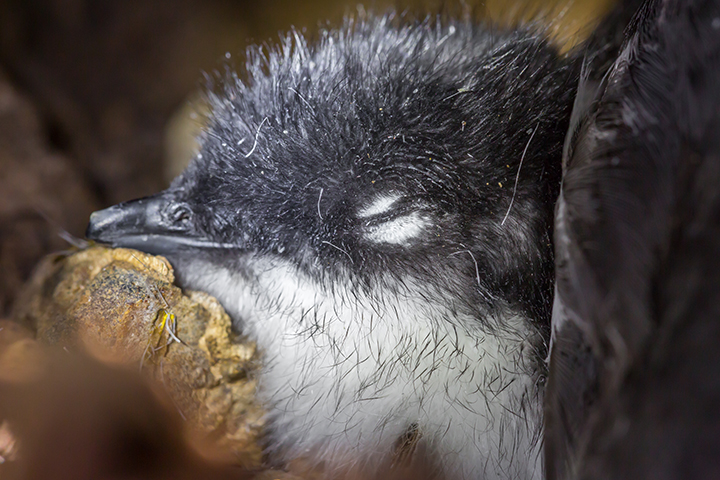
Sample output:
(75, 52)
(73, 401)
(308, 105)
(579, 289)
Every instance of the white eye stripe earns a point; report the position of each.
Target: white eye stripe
(380, 205)
(398, 230)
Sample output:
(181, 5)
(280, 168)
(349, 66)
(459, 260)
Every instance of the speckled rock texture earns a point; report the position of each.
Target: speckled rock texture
(121, 306)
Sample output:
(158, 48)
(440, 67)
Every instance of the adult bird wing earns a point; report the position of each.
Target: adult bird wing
(634, 385)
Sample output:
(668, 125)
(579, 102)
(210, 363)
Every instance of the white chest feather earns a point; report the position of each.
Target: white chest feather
(348, 372)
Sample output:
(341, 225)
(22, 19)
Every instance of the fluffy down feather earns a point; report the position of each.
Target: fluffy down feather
(375, 210)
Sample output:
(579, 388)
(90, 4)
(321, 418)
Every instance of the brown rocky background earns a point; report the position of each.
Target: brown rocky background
(97, 102)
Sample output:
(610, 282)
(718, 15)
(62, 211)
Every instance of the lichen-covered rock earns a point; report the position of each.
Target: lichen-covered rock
(121, 306)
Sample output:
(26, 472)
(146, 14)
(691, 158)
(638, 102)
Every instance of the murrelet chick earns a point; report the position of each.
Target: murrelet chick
(375, 210)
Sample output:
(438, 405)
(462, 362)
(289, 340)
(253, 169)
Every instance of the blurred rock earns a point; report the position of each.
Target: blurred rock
(80, 419)
(41, 194)
(121, 306)
(107, 75)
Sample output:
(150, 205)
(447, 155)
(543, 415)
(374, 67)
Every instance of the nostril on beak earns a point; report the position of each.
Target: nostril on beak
(179, 214)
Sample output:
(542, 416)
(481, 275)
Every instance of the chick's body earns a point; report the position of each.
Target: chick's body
(374, 211)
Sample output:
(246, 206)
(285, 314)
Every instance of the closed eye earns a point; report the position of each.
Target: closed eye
(398, 230)
(379, 206)
(390, 218)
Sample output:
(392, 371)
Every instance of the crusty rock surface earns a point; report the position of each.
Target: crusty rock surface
(121, 306)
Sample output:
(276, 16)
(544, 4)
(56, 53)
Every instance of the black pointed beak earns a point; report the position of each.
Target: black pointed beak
(158, 225)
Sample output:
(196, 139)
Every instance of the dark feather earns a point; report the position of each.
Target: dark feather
(639, 260)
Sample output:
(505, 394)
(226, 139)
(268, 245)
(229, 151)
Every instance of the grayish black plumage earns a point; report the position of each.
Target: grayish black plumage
(375, 211)
(634, 389)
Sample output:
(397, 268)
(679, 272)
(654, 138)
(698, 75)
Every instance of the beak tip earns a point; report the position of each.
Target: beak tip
(99, 223)
(92, 232)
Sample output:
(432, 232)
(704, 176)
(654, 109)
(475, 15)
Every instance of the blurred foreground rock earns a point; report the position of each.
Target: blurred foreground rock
(120, 306)
(71, 417)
